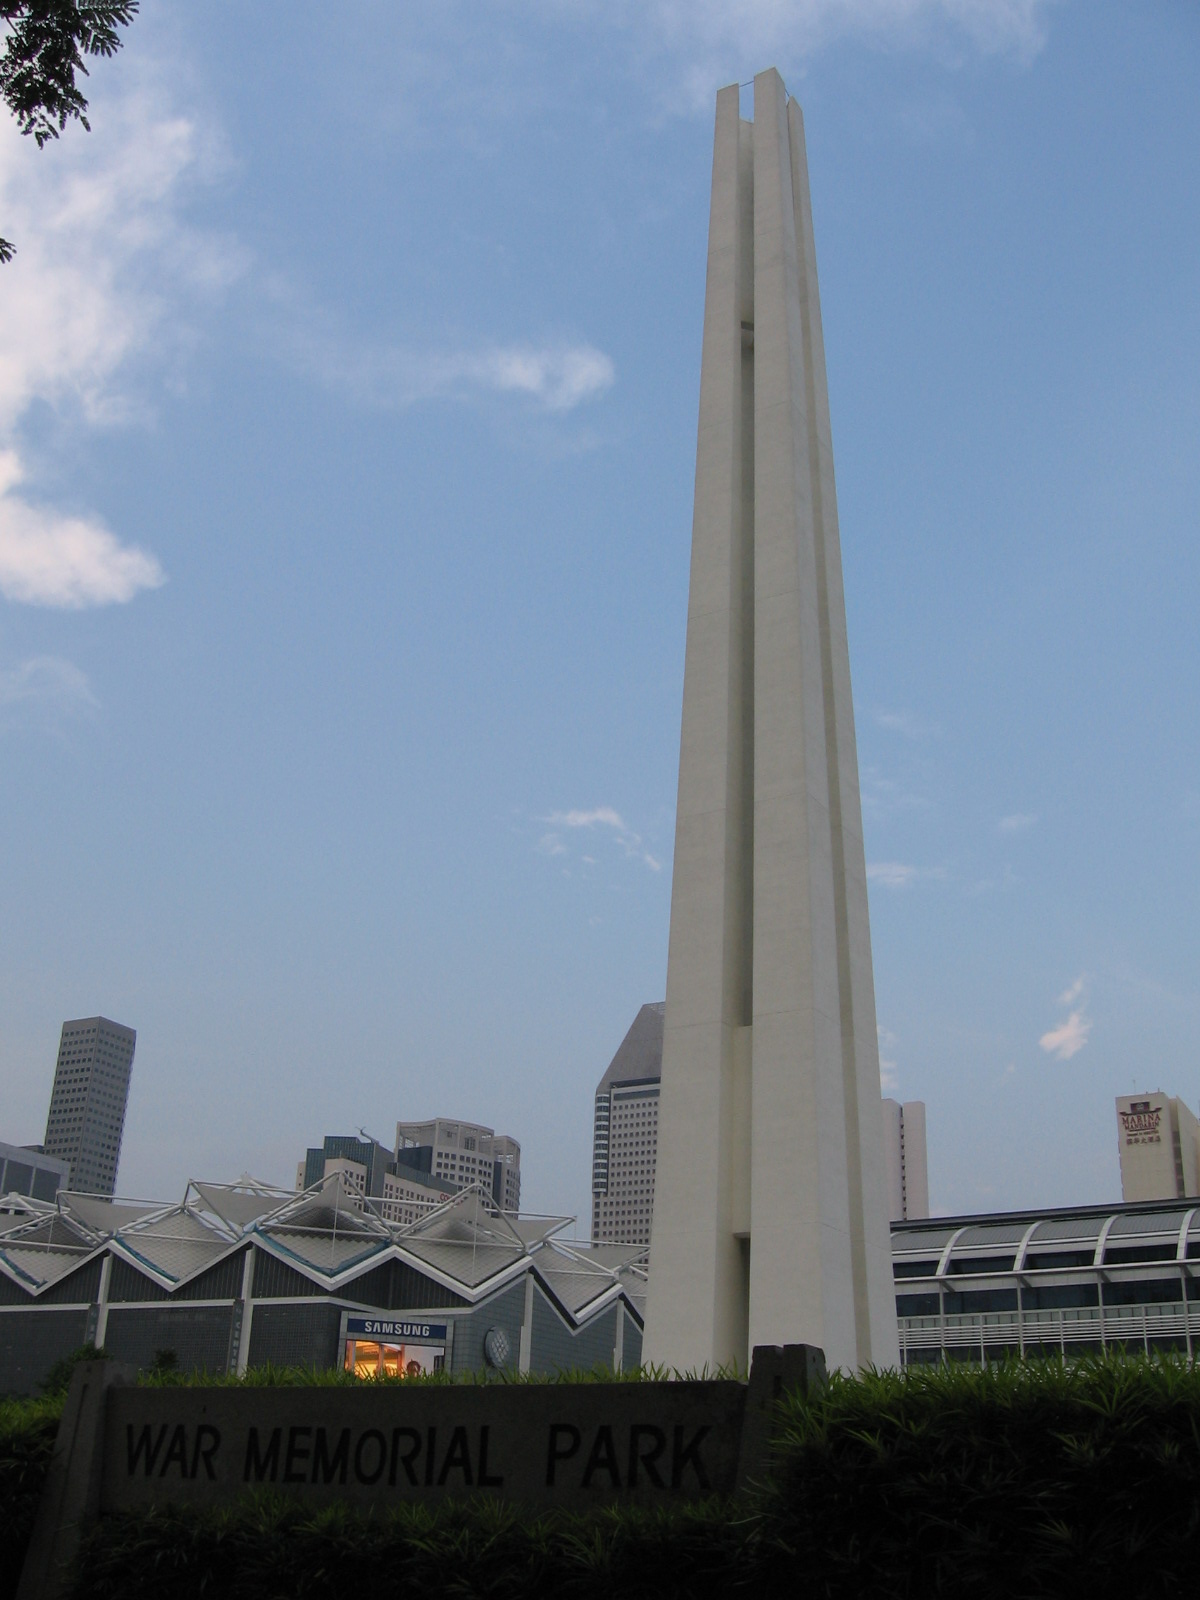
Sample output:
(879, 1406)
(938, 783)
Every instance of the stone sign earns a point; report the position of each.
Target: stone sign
(570, 1445)
(121, 1447)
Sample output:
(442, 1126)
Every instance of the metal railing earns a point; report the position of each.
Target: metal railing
(989, 1334)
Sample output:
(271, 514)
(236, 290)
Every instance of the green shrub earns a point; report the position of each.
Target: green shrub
(1035, 1479)
(58, 1380)
(1026, 1480)
(27, 1430)
(268, 1547)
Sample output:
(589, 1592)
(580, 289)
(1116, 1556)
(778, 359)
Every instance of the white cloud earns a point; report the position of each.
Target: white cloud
(1069, 995)
(555, 376)
(559, 377)
(598, 817)
(1069, 1038)
(889, 1077)
(1017, 822)
(885, 797)
(51, 559)
(905, 724)
(712, 42)
(103, 255)
(103, 268)
(892, 874)
(46, 679)
(603, 815)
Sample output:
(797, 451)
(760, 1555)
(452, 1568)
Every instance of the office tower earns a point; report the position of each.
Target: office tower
(463, 1153)
(450, 1155)
(371, 1177)
(87, 1104)
(366, 1157)
(625, 1140)
(1159, 1142)
(770, 1221)
(905, 1160)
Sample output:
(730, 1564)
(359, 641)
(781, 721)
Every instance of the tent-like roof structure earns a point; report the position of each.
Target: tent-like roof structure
(325, 1233)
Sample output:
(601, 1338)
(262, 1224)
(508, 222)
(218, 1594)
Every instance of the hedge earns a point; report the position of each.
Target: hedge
(1031, 1480)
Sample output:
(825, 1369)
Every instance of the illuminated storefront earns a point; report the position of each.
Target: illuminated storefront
(382, 1347)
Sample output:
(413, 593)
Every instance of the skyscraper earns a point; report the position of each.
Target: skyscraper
(625, 1137)
(770, 1221)
(905, 1159)
(87, 1103)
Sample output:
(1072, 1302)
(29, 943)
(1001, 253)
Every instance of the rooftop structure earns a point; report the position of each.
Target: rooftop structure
(246, 1273)
(1049, 1282)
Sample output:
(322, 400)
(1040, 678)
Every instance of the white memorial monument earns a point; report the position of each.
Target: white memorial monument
(770, 1222)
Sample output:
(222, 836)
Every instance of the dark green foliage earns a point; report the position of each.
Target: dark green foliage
(47, 41)
(27, 1430)
(58, 1380)
(1042, 1479)
(45, 47)
(269, 1548)
(1035, 1480)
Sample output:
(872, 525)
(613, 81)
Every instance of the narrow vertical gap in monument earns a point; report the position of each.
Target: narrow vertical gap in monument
(746, 914)
(743, 1328)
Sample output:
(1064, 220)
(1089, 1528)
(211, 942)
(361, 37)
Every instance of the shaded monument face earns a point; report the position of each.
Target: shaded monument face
(769, 1210)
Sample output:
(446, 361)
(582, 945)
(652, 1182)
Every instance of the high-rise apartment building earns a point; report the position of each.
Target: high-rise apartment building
(87, 1103)
(907, 1167)
(625, 1138)
(1159, 1141)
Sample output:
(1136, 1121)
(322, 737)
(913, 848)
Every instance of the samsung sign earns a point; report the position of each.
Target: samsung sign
(398, 1332)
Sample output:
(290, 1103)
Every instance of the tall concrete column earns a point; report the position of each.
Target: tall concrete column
(770, 1222)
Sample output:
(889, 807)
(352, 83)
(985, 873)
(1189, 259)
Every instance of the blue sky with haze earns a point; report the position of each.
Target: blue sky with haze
(348, 388)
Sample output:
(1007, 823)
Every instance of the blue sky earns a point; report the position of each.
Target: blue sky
(348, 386)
